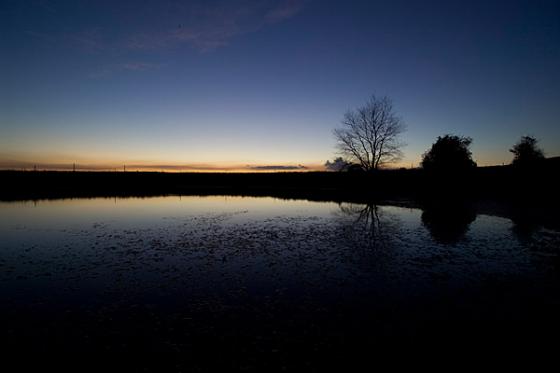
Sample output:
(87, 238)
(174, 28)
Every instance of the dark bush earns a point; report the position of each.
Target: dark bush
(449, 153)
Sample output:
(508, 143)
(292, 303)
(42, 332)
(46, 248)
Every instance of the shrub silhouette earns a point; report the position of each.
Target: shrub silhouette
(339, 165)
(449, 153)
(526, 152)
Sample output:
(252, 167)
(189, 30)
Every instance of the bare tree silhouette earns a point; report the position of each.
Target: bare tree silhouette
(370, 134)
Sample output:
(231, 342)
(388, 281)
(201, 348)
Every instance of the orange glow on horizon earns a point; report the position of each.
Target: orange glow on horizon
(147, 167)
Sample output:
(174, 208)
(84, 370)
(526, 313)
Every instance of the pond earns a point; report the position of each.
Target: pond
(166, 282)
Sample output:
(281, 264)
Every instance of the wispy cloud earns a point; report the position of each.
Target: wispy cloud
(136, 66)
(208, 28)
(284, 10)
(46, 5)
(197, 24)
(91, 40)
(277, 168)
(43, 36)
(139, 66)
(200, 25)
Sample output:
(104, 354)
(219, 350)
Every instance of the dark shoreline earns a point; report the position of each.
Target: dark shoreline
(521, 195)
(495, 183)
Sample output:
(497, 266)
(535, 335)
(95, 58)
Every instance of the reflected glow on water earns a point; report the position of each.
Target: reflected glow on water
(63, 232)
(262, 262)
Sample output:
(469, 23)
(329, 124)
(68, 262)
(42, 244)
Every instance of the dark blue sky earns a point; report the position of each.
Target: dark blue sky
(232, 83)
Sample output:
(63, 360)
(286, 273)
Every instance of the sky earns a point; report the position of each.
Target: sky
(260, 85)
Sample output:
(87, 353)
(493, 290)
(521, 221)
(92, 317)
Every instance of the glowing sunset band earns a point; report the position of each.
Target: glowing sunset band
(29, 166)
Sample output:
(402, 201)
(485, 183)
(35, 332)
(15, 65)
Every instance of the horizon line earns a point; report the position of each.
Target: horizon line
(156, 167)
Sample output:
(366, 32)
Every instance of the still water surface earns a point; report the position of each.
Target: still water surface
(176, 274)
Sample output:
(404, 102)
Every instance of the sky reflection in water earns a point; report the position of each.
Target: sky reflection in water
(245, 265)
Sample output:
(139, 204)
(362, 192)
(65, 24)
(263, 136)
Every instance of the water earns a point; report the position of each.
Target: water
(264, 279)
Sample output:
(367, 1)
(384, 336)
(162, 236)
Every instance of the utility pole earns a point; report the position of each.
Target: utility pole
(74, 167)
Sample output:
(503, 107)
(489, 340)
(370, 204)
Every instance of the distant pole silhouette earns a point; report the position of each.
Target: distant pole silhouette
(74, 167)
(124, 168)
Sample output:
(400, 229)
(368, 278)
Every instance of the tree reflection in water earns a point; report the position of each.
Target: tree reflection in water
(448, 221)
(525, 222)
(524, 229)
(367, 225)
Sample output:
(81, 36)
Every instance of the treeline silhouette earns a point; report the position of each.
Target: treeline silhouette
(482, 182)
